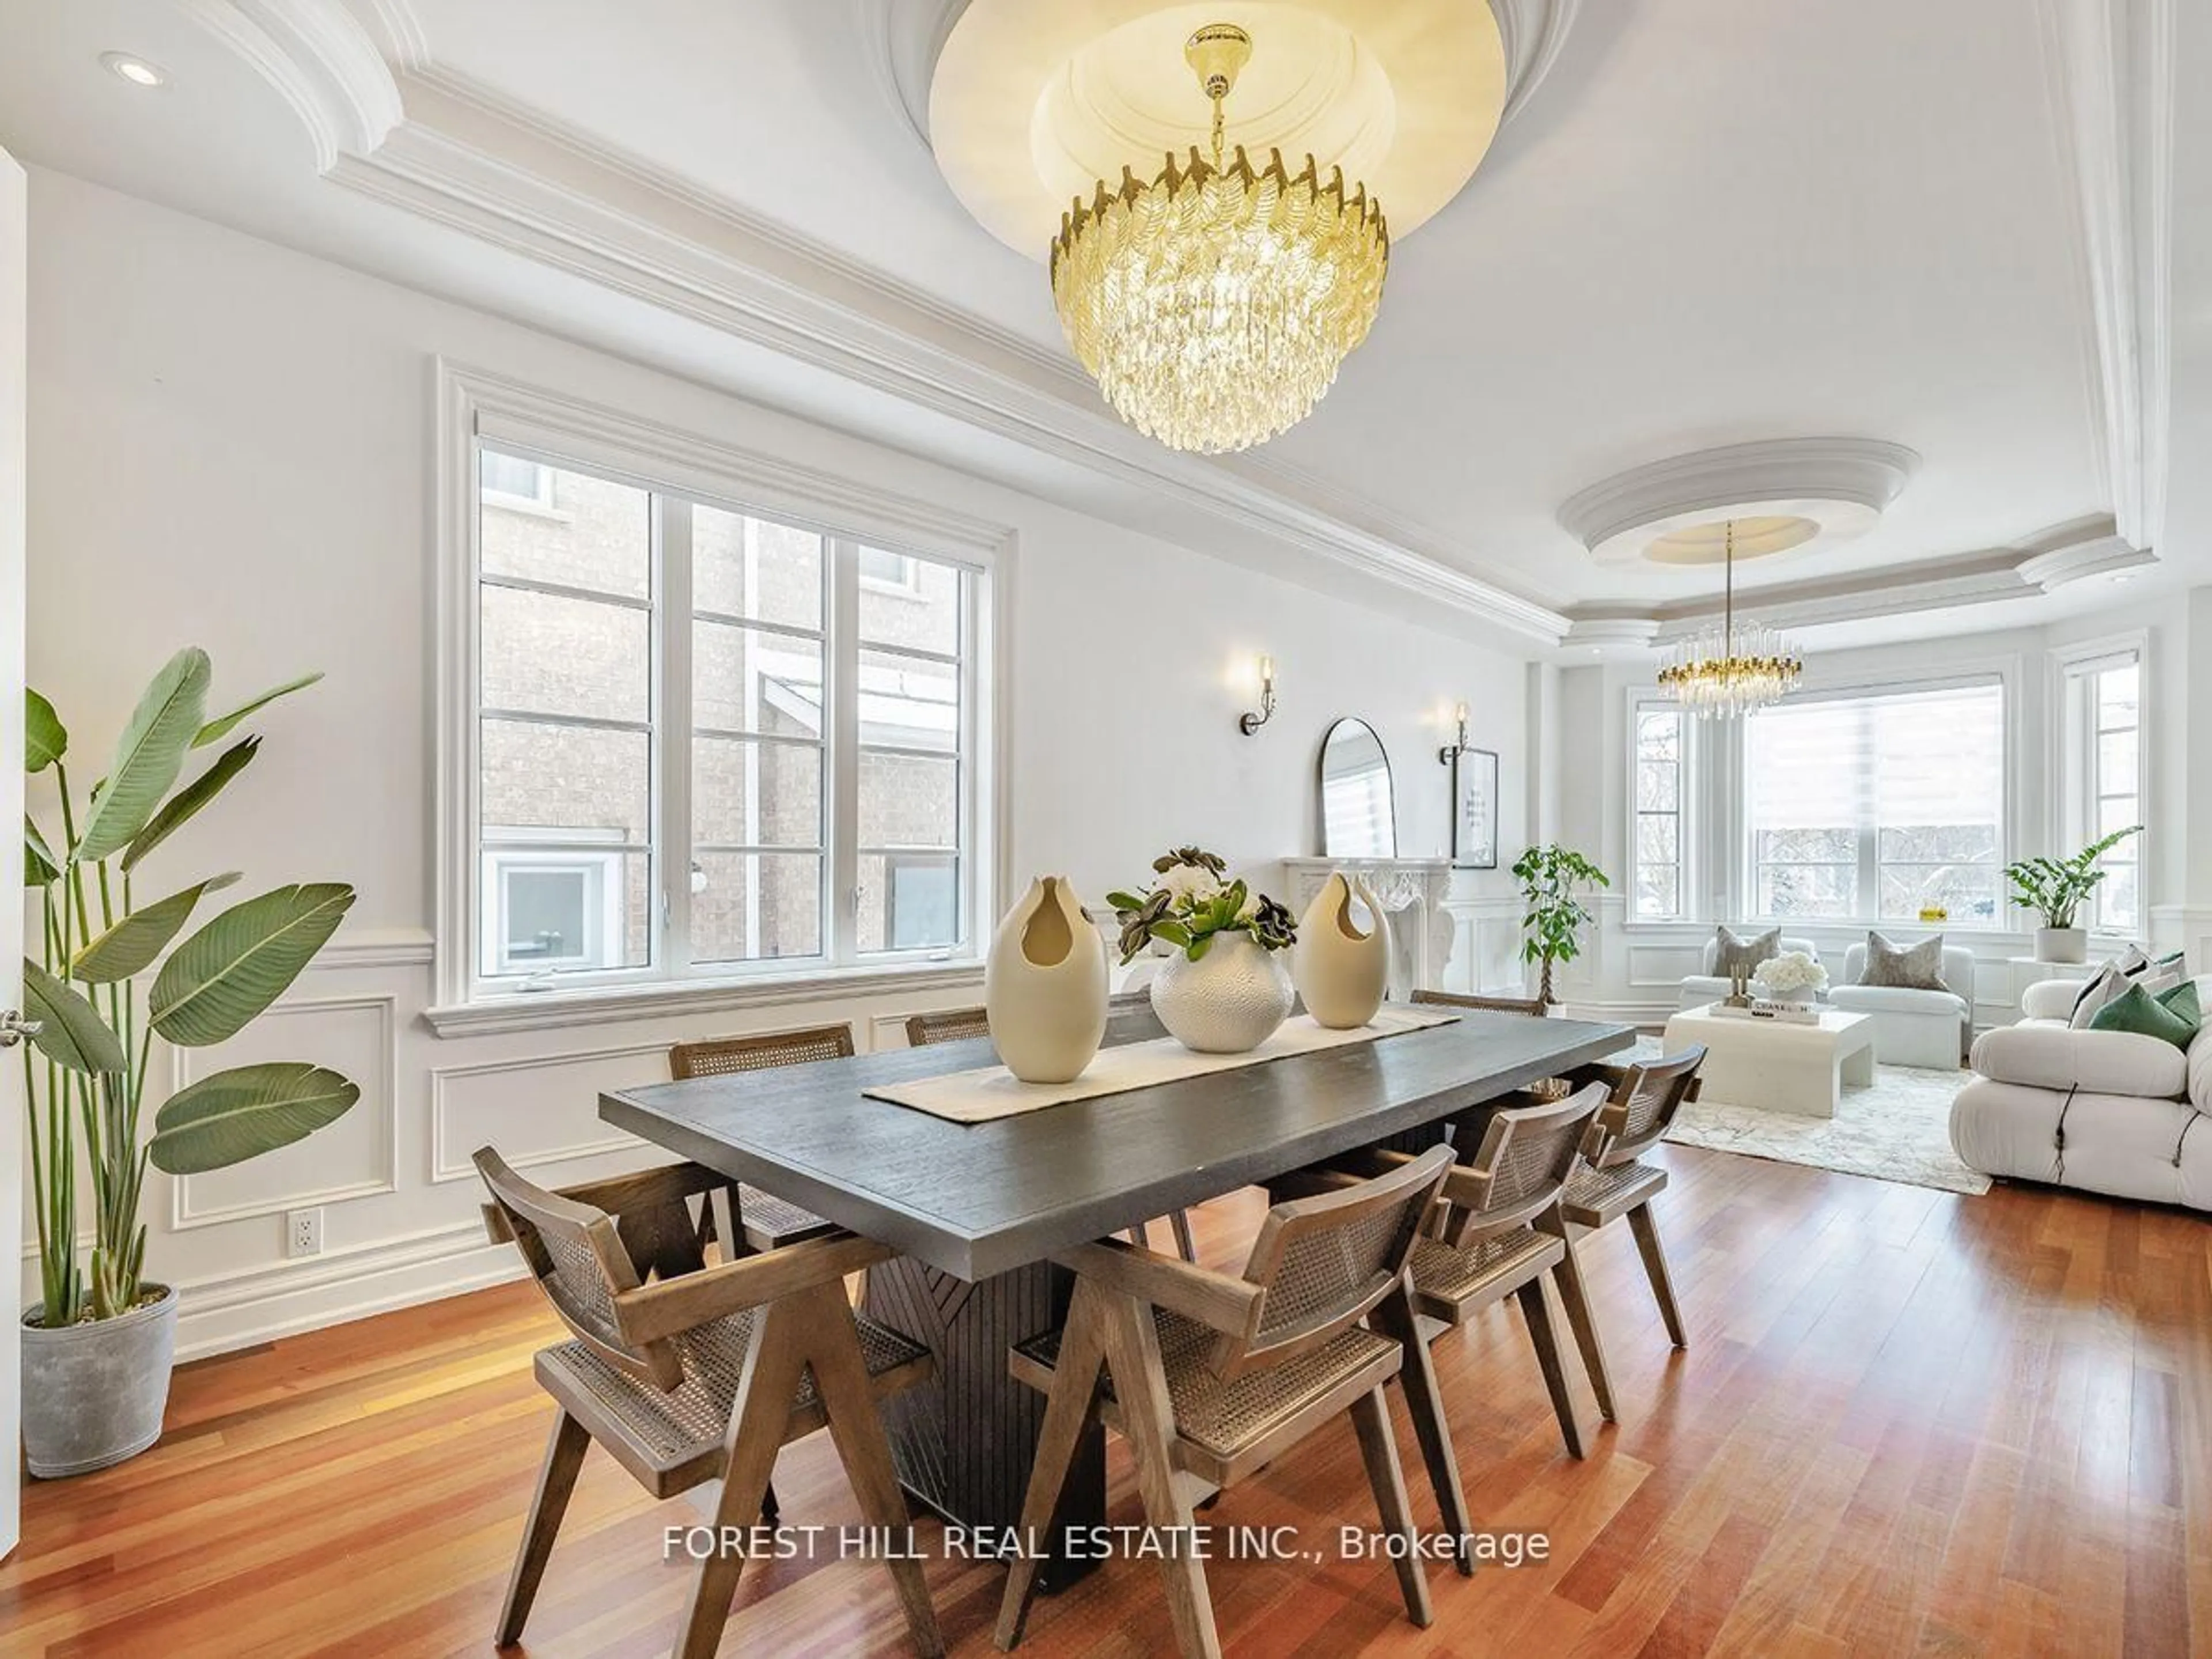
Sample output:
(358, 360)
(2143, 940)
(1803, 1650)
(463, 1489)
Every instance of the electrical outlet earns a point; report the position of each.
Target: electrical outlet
(303, 1231)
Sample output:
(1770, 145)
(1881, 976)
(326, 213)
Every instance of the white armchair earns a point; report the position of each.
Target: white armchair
(2106, 1111)
(1706, 986)
(1930, 1029)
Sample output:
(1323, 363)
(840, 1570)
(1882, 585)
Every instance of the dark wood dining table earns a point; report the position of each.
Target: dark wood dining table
(977, 1210)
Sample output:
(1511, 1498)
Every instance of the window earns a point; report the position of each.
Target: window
(1656, 812)
(1881, 806)
(2102, 727)
(667, 683)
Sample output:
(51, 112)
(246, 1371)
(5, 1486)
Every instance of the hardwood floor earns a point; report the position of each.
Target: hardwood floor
(1907, 1422)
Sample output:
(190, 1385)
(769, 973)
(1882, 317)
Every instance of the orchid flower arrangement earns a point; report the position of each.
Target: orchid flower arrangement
(1191, 900)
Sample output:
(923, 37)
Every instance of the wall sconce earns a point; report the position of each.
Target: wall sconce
(1452, 750)
(1251, 723)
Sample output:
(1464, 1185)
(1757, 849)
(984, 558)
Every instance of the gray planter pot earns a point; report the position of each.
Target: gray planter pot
(2068, 944)
(93, 1394)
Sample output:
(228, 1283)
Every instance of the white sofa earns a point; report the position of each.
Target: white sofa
(1914, 1028)
(2104, 1111)
(1706, 986)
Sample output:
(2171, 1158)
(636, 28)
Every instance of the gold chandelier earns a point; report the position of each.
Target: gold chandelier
(1731, 670)
(1214, 305)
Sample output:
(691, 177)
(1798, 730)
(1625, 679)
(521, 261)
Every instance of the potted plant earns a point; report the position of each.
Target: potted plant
(1223, 989)
(2055, 888)
(1551, 878)
(97, 1347)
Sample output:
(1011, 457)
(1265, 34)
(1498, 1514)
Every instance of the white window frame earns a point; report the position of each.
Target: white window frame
(1648, 700)
(684, 468)
(2005, 675)
(2077, 791)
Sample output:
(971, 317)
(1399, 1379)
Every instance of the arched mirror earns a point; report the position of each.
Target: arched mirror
(1356, 818)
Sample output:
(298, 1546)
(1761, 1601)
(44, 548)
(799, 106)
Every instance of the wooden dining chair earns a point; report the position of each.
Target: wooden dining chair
(1531, 1007)
(684, 1373)
(1210, 1376)
(768, 1221)
(1643, 1100)
(1500, 1232)
(957, 1025)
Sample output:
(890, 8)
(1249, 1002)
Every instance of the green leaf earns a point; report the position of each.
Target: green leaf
(189, 799)
(1121, 900)
(44, 742)
(40, 864)
(150, 755)
(215, 730)
(221, 979)
(133, 943)
(1198, 947)
(242, 1112)
(71, 1032)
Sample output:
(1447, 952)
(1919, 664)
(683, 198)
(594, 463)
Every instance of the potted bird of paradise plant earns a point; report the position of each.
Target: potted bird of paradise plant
(113, 975)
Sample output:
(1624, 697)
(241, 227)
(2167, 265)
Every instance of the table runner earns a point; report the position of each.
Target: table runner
(988, 1092)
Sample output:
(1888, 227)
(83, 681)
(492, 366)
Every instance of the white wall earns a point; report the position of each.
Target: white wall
(1635, 970)
(231, 445)
(12, 1157)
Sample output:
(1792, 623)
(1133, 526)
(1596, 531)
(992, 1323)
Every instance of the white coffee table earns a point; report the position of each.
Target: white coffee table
(1800, 1069)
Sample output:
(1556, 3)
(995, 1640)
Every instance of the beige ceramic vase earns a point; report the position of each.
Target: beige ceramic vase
(1340, 970)
(1045, 985)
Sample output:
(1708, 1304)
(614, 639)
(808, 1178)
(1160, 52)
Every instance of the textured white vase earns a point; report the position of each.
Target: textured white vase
(1045, 985)
(1229, 1001)
(1340, 970)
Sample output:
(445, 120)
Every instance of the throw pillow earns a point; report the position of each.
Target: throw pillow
(2182, 1000)
(1908, 967)
(2137, 1010)
(1734, 955)
(2100, 988)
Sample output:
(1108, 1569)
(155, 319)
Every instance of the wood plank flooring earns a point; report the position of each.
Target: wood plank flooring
(1907, 1422)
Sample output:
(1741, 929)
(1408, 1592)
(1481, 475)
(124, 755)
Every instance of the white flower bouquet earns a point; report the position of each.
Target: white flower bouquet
(1791, 976)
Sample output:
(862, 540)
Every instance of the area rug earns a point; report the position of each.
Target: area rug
(1898, 1129)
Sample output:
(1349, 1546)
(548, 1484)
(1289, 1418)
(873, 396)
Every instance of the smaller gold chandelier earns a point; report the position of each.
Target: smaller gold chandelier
(1728, 672)
(1214, 305)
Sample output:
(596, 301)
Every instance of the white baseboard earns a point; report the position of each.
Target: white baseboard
(236, 1310)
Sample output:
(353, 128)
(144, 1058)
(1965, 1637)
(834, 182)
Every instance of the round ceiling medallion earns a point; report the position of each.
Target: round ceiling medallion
(1030, 105)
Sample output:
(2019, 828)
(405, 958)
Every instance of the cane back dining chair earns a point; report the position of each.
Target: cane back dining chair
(1210, 1376)
(958, 1025)
(767, 1221)
(684, 1373)
(1502, 1233)
(1645, 1099)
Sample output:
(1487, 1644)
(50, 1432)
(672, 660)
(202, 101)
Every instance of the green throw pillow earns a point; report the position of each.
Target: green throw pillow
(2182, 999)
(2137, 1010)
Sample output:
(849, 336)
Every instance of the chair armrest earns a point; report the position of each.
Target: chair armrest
(2050, 999)
(648, 1189)
(1217, 1300)
(2100, 1062)
(667, 1306)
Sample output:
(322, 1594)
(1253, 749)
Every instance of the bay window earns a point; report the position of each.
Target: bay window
(1658, 794)
(2100, 727)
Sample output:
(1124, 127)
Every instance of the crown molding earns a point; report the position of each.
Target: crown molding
(319, 60)
(2110, 74)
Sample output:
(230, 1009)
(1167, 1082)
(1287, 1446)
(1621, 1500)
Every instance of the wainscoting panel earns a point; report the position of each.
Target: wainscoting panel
(535, 1108)
(356, 1157)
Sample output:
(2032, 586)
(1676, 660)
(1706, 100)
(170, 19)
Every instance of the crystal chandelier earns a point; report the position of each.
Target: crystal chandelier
(1214, 305)
(1728, 671)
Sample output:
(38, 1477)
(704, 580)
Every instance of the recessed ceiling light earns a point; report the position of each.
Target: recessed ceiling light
(136, 71)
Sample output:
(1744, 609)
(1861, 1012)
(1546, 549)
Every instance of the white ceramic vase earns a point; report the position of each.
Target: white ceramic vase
(1045, 985)
(1340, 970)
(1229, 1001)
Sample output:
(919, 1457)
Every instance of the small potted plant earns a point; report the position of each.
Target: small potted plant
(2055, 889)
(1793, 977)
(112, 977)
(1552, 879)
(1223, 987)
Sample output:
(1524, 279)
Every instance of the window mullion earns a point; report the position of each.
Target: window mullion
(672, 729)
(842, 774)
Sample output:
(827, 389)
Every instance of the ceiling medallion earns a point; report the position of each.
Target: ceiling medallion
(1214, 305)
(1727, 671)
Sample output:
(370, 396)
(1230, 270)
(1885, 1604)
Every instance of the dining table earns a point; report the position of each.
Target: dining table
(977, 1210)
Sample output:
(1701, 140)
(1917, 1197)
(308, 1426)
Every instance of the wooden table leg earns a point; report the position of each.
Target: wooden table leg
(964, 1440)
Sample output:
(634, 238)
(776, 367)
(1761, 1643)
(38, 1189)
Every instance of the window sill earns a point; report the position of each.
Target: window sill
(603, 1005)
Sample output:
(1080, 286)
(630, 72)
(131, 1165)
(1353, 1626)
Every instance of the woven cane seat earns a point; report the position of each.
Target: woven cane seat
(1595, 1197)
(1447, 1280)
(682, 1430)
(1225, 1417)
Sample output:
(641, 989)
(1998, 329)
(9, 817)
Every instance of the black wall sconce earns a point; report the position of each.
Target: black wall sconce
(1452, 750)
(1251, 723)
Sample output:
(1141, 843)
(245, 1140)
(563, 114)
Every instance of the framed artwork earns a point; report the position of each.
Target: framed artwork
(1475, 809)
